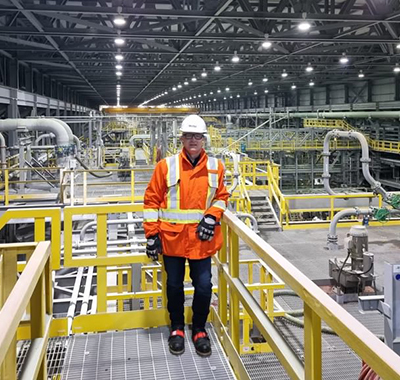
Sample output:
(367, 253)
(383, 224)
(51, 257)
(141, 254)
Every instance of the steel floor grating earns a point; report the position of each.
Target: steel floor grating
(141, 354)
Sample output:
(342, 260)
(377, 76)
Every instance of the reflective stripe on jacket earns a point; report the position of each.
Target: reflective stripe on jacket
(176, 199)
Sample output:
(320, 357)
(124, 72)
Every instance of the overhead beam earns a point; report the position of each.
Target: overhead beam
(148, 12)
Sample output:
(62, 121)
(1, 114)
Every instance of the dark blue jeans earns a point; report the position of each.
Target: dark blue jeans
(200, 273)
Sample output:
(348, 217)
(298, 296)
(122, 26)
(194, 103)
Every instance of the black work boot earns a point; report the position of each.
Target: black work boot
(176, 342)
(201, 342)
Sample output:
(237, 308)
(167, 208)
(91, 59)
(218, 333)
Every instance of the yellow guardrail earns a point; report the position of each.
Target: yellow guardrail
(294, 145)
(378, 145)
(288, 213)
(318, 307)
(32, 291)
(75, 187)
(19, 177)
(258, 305)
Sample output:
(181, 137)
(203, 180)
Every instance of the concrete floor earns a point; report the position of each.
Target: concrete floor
(306, 249)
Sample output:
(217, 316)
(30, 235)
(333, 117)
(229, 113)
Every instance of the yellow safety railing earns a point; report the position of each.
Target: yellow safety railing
(241, 301)
(39, 217)
(291, 213)
(76, 187)
(294, 145)
(32, 291)
(15, 181)
(152, 281)
(318, 307)
(378, 145)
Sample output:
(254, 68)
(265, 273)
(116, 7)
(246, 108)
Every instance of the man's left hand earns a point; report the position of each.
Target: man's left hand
(205, 229)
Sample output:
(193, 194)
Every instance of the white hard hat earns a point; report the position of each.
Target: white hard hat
(193, 124)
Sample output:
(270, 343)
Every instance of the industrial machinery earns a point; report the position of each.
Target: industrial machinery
(356, 271)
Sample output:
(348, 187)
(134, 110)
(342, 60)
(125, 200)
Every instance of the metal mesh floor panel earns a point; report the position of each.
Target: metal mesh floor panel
(141, 354)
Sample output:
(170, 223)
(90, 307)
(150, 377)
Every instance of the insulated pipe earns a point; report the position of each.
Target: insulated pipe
(63, 134)
(86, 294)
(74, 299)
(251, 217)
(332, 236)
(77, 143)
(109, 222)
(44, 136)
(138, 137)
(236, 172)
(321, 114)
(3, 148)
(365, 160)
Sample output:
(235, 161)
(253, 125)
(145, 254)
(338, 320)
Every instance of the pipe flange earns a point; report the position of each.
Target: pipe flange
(324, 175)
(365, 160)
(332, 238)
(325, 154)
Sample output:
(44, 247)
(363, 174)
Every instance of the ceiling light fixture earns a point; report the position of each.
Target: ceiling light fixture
(179, 85)
(238, 96)
(194, 79)
(266, 44)
(119, 21)
(217, 67)
(250, 82)
(204, 73)
(265, 91)
(311, 83)
(186, 83)
(284, 73)
(309, 68)
(343, 60)
(397, 68)
(174, 88)
(218, 91)
(119, 41)
(227, 89)
(304, 26)
(265, 79)
(235, 58)
(118, 73)
(361, 74)
(119, 57)
(293, 86)
(118, 67)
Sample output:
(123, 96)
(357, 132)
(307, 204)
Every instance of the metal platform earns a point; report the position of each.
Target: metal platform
(141, 354)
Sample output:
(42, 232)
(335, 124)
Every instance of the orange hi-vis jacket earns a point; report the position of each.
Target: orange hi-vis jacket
(176, 199)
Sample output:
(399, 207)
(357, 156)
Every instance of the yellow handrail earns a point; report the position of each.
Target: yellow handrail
(318, 307)
(34, 289)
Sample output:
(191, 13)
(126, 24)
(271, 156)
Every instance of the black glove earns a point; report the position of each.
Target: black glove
(205, 229)
(153, 247)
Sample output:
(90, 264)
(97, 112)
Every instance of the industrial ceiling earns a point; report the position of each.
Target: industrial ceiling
(168, 44)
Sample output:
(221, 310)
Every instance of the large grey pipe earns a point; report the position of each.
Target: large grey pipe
(44, 136)
(62, 132)
(319, 114)
(365, 160)
(3, 148)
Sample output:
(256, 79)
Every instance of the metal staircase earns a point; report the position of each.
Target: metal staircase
(262, 210)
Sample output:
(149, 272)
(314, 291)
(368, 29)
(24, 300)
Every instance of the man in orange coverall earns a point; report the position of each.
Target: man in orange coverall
(183, 204)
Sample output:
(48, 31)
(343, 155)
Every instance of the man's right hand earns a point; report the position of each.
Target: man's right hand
(153, 247)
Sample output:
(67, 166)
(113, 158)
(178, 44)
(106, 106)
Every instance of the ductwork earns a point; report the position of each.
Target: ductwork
(365, 160)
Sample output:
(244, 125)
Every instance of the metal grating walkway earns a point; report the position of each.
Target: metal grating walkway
(143, 355)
